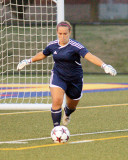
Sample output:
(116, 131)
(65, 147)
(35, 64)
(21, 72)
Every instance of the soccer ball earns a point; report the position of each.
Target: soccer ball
(60, 134)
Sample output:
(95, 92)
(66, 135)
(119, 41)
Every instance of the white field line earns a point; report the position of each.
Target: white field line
(12, 142)
(73, 135)
(84, 141)
(25, 140)
(100, 132)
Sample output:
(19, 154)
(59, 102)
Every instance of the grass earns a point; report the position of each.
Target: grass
(106, 146)
(91, 99)
(110, 44)
(37, 125)
(107, 42)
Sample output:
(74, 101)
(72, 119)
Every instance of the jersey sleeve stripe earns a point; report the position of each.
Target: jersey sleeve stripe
(52, 42)
(78, 45)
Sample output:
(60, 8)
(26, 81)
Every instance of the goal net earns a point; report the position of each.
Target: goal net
(26, 29)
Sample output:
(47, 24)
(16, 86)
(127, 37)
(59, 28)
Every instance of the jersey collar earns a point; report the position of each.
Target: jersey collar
(64, 45)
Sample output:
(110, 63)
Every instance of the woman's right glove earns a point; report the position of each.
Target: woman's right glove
(23, 63)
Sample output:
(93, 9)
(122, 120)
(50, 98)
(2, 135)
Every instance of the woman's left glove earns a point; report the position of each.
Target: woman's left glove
(109, 69)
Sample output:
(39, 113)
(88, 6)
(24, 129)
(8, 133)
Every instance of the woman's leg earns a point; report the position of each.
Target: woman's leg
(57, 94)
(69, 109)
(71, 103)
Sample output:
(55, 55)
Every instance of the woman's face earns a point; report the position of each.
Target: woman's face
(63, 34)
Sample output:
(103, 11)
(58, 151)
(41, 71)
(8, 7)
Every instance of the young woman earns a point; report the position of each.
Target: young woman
(67, 73)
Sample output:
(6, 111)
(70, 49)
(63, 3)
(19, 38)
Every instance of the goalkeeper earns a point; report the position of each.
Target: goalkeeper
(67, 73)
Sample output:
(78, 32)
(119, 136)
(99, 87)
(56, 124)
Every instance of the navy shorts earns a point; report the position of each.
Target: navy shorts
(73, 89)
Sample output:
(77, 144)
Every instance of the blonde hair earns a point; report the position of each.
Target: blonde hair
(64, 24)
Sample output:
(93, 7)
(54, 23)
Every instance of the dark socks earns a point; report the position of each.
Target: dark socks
(56, 116)
(68, 111)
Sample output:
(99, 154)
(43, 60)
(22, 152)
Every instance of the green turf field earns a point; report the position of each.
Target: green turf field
(98, 128)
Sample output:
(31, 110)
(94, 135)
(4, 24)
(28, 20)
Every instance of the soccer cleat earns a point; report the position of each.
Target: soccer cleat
(66, 119)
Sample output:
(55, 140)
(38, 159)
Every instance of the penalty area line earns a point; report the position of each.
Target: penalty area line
(99, 139)
(56, 144)
(73, 135)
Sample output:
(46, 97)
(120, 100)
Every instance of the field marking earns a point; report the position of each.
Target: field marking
(99, 139)
(31, 90)
(109, 105)
(13, 142)
(27, 112)
(54, 144)
(100, 132)
(25, 140)
(88, 107)
(83, 141)
(73, 135)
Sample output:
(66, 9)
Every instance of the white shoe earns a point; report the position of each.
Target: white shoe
(66, 119)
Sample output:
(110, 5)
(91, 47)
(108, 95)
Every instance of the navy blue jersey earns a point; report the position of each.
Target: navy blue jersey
(67, 59)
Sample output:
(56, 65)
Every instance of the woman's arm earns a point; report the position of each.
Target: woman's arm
(97, 61)
(93, 59)
(39, 56)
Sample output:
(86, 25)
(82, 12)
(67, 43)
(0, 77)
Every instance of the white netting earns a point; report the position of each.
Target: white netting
(26, 28)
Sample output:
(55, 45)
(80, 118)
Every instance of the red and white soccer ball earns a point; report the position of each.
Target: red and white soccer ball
(60, 134)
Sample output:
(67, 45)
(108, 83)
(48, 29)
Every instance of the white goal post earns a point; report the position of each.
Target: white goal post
(26, 28)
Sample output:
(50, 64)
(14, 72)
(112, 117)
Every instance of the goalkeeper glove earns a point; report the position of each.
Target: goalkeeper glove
(23, 63)
(109, 69)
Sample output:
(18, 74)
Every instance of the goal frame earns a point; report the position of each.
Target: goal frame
(37, 106)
